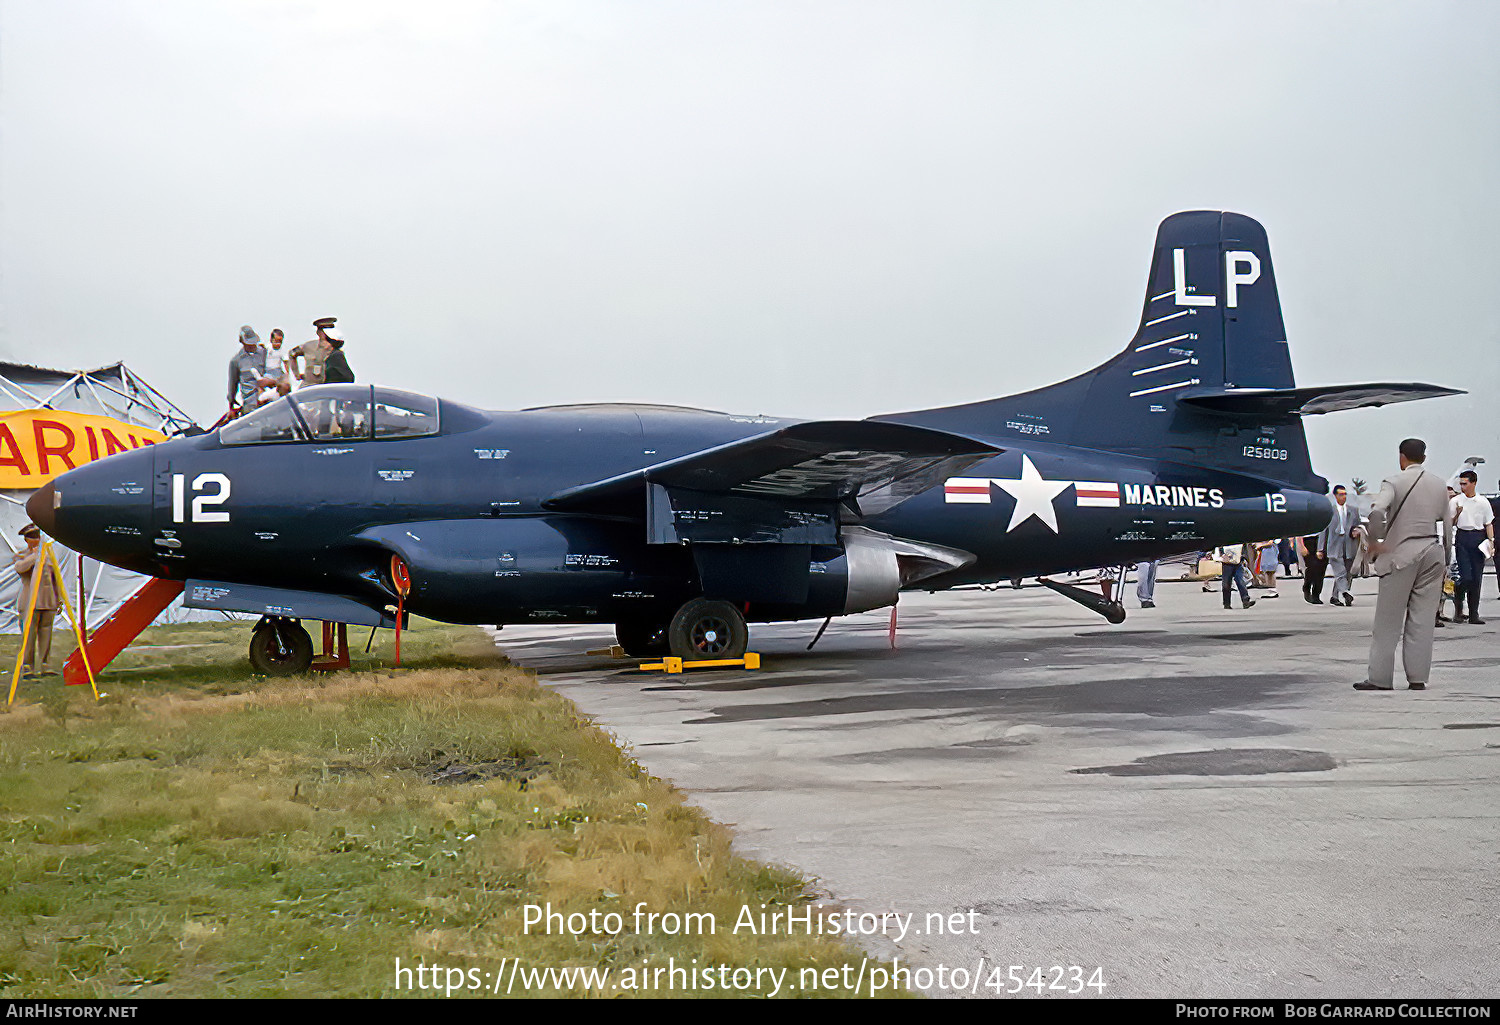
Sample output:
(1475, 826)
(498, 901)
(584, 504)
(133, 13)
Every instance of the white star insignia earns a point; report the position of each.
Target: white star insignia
(1033, 496)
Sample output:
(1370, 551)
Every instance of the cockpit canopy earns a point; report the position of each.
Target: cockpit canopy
(336, 412)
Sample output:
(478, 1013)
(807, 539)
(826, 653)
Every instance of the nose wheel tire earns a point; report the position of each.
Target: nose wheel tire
(642, 639)
(705, 629)
(280, 649)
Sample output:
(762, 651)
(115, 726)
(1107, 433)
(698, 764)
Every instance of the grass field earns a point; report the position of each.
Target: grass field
(200, 832)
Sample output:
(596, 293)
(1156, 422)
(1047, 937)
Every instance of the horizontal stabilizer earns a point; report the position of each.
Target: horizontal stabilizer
(874, 466)
(1277, 402)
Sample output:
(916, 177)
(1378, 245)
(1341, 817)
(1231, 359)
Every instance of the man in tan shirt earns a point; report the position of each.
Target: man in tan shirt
(1411, 564)
(39, 644)
(314, 354)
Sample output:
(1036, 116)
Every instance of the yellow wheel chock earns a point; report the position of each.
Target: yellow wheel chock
(671, 664)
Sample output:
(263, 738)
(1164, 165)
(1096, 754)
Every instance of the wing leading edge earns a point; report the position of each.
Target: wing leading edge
(864, 464)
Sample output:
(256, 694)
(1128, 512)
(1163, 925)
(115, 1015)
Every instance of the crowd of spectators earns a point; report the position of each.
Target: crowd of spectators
(1344, 546)
(260, 373)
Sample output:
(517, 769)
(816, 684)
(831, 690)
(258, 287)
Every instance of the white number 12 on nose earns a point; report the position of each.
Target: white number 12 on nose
(200, 514)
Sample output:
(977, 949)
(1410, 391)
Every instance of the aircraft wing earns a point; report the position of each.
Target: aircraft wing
(869, 465)
(1308, 401)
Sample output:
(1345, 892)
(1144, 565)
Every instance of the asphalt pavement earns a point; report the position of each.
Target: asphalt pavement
(1195, 802)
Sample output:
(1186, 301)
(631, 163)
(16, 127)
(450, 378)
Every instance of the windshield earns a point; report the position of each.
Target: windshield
(272, 423)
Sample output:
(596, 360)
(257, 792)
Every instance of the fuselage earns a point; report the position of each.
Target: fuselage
(465, 503)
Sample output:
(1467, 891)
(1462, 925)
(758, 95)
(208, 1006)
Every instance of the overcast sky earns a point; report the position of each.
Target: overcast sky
(810, 208)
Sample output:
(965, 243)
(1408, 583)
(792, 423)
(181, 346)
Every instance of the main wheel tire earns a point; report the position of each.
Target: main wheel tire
(292, 656)
(704, 629)
(642, 639)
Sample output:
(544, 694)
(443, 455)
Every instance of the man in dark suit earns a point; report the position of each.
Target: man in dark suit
(1339, 544)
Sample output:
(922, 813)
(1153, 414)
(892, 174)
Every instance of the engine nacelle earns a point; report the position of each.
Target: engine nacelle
(525, 569)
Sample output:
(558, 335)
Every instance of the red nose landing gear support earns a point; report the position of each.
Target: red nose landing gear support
(331, 658)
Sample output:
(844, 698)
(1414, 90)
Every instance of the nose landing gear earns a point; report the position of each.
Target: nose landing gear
(280, 647)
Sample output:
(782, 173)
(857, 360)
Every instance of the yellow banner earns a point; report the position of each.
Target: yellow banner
(38, 444)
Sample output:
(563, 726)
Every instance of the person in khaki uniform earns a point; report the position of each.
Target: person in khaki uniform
(314, 354)
(1410, 563)
(39, 644)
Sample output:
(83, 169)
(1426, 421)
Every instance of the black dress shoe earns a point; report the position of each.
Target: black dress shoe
(1249, 603)
(1348, 599)
(1148, 604)
(1316, 600)
(1416, 686)
(1367, 685)
(1474, 621)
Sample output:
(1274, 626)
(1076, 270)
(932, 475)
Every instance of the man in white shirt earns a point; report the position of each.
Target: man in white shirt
(1339, 543)
(1232, 557)
(1475, 520)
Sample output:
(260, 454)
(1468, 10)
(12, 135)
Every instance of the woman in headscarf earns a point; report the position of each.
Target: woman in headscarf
(336, 366)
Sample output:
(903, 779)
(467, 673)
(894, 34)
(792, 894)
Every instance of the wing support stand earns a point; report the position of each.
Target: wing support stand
(1110, 610)
(47, 565)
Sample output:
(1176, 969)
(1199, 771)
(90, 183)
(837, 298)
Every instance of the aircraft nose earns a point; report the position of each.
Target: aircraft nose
(41, 508)
(102, 509)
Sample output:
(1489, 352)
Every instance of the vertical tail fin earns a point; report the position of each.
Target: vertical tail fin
(1211, 321)
(1211, 293)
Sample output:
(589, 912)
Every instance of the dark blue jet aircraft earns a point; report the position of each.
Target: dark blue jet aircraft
(679, 526)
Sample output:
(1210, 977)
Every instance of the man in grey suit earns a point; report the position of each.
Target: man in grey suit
(1411, 565)
(1339, 544)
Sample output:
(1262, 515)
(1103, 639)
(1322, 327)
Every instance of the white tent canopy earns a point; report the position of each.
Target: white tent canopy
(113, 391)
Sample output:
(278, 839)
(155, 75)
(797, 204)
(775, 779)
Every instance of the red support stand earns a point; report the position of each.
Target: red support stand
(400, 603)
(401, 579)
(893, 628)
(333, 658)
(123, 626)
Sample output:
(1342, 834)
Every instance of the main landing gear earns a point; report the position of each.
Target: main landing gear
(280, 647)
(701, 629)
